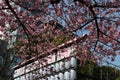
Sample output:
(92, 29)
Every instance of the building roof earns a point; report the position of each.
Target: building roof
(49, 51)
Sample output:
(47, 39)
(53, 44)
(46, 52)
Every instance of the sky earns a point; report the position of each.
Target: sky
(115, 63)
(117, 60)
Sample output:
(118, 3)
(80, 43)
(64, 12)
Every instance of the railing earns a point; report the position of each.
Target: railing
(62, 69)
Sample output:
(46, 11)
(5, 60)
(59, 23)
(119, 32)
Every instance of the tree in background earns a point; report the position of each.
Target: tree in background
(93, 71)
(36, 21)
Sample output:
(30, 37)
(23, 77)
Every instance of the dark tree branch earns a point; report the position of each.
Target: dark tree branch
(14, 13)
(21, 5)
(54, 1)
(83, 25)
(95, 18)
(109, 36)
(95, 1)
(2, 8)
(108, 19)
(96, 42)
(105, 43)
(80, 27)
(105, 6)
(98, 29)
(25, 7)
(94, 15)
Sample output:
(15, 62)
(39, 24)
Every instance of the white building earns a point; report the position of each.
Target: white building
(56, 64)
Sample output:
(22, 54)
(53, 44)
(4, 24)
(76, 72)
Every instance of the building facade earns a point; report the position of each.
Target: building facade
(58, 65)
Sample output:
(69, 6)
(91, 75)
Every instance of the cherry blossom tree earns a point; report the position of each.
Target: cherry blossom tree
(37, 23)
(41, 23)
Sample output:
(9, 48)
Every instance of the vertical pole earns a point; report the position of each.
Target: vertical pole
(107, 70)
(101, 73)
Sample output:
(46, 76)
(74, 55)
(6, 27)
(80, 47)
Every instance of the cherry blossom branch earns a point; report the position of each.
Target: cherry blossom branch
(83, 25)
(104, 43)
(70, 42)
(109, 19)
(96, 42)
(94, 15)
(2, 8)
(109, 36)
(94, 1)
(95, 18)
(14, 13)
(21, 5)
(97, 27)
(31, 10)
(105, 6)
